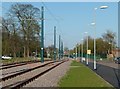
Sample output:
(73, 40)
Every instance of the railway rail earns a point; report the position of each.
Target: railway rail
(22, 72)
(18, 62)
(6, 66)
(20, 79)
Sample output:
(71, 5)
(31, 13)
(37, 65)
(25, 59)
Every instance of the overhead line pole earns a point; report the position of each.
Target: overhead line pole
(59, 47)
(61, 54)
(42, 34)
(62, 50)
(54, 43)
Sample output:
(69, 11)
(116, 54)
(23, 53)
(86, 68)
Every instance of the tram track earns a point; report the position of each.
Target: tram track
(6, 66)
(27, 75)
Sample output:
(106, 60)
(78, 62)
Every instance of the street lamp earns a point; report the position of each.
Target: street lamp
(103, 7)
(82, 50)
(79, 50)
(94, 23)
(76, 52)
(87, 47)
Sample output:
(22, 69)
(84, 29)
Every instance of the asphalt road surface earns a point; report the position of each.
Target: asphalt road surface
(109, 71)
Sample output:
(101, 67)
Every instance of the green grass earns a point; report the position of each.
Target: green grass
(81, 76)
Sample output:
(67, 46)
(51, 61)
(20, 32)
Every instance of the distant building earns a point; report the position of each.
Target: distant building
(116, 52)
(113, 54)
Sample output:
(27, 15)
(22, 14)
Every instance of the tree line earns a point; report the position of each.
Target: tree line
(104, 45)
(21, 34)
(21, 31)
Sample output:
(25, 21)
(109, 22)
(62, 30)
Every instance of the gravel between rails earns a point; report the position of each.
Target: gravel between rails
(51, 78)
(18, 79)
(6, 72)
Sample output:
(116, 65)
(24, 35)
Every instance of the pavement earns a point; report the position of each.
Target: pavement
(109, 71)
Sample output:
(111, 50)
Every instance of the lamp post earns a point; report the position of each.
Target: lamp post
(82, 50)
(76, 52)
(86, 48)
(79, 50)
(94, 23)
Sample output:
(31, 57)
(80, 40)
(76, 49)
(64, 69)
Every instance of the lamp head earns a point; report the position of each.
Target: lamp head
(103, 7)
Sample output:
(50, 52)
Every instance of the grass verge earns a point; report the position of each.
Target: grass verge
(81, 76)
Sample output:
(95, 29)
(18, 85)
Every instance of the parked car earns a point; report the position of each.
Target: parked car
(83, 59)
(6, 57)
(117, 60)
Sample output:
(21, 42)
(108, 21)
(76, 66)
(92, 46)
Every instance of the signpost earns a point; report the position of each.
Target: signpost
(89, 52)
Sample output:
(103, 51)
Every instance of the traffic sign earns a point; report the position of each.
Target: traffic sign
(88, 51)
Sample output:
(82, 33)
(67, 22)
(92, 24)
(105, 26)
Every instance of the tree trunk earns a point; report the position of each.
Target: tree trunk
(14, 53)
(24, 52)
(27, 46)
(27, 51)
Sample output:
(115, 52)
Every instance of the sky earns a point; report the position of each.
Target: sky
(73, 19)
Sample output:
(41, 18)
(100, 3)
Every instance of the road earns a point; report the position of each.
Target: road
(109, 71)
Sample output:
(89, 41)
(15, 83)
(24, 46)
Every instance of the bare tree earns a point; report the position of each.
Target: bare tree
(26, 15)
(109, 36)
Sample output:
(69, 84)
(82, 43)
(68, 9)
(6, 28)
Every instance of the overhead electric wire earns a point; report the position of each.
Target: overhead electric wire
(59, 31)
(53, 16)
(50, 12)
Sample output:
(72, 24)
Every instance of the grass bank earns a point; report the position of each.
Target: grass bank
(81, 76)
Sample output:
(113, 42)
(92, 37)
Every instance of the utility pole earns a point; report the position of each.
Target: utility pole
(62, 49)
(82, 50)
(54, 43)
(59, 47)
(62, 52)
(42, 34)
(79, 50)
(76, 52)
(95, 64)
(87, 50)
